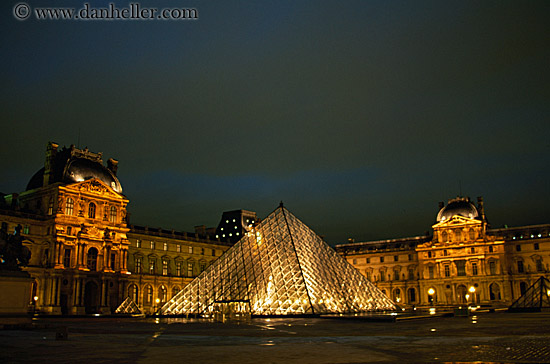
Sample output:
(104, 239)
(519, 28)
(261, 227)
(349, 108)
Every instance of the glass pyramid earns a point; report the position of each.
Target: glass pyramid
(535, 297)
(280, 267)
(128, 307)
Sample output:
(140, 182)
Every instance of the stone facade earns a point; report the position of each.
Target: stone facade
(462, 262)
(83, 252)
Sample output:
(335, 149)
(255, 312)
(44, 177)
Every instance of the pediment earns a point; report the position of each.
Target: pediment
(456, 220)
(94, 186)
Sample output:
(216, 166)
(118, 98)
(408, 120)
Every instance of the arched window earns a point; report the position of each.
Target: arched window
(494, 292)
(522, 287)
(162, 294)
(412, 295)
(133, 293)
(69, 206)
(397, 295)
(148, 295)
(91, 210)
(444, 236)
(112, 215)
(92, 259)
(175, 290)
(458, 235)
(461, 294)
(472, 234)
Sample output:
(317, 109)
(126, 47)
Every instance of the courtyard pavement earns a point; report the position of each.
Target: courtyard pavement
(485, 337)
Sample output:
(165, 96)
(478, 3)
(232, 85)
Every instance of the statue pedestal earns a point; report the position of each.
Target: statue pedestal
(15, 297)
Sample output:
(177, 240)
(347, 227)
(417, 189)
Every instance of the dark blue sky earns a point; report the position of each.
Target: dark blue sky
(360, 115)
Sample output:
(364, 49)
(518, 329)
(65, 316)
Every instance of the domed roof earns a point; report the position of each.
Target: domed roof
(73, 165)
(458, 206)
(80, 169)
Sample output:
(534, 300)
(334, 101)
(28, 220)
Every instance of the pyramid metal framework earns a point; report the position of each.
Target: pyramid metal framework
(280, 267)
(128, 307)
(535, 298)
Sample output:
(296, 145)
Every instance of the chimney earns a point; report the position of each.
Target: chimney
(51, 152)
(112, 164)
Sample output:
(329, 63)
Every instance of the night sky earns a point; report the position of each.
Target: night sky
(360, 115)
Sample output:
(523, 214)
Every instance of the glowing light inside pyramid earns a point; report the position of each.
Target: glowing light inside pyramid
(280, 267)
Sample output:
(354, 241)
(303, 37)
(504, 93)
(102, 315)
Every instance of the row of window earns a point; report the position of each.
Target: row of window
(382, 258)
(69, 210)
(457, 235)
(536, 246)
(91, 259)
(148, 294)
(179, 267)
(165, 247)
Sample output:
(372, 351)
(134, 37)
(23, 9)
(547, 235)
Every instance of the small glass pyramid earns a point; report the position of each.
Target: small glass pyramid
(535, 298)
(280, 267)
(128, 307)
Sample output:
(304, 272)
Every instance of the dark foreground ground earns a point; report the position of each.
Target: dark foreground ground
(490, 337)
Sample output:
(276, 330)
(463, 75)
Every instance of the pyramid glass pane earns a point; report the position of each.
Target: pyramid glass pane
(281, 267)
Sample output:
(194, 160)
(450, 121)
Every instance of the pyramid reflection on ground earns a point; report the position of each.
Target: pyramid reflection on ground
(280, 267)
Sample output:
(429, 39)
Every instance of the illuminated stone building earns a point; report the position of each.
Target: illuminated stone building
(85, 258)
(462, 262)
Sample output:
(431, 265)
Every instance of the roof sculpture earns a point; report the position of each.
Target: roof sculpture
(280, 267)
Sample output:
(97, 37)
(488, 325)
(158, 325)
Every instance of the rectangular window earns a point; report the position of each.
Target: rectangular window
(474, 269)
(152, 266)
(67, 258)
(539, 265)
(447, 271)
(490, 248)
(368, 276)
(368, 260)
(178, 248)
(113, 261)
(445, 252)
(138, 265)
(152, 245)
(26, 229)
(518, 248)
(460, 267)
(381, 259)
(492, 268)
(165, 246)
(190, 269)
(138, 243)
(164, 267)
(429, 254)
(202, 266)
(395, 258)
(354, 261)
(431, 272)
(411, 274)
(382, 276)
(190, 250)
(178, 269)
(410, 257)
(213, 252)
(520, 266)
(472, 250)
(69, 230)
(536, 246)
(396, 275)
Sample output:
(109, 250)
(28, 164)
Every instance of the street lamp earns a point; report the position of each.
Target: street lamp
(157, 301)
(431, 292)
(472, 290)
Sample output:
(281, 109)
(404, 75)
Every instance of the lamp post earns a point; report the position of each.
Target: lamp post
(157, 301)
(431, 292)
(472, 290)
